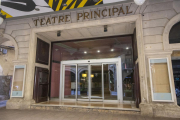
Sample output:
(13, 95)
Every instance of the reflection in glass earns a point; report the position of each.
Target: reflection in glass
(128, 85)
(96, 81)
(70, 82)
(82, 82)
(18, 79)
(160, 79)
(176, 73)
(110, 81)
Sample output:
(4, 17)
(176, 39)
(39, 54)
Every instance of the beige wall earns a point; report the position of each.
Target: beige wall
(6, 60)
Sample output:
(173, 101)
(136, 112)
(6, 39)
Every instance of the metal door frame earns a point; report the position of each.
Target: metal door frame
(116, 61)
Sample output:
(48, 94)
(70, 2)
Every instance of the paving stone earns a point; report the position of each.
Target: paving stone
(6, 114)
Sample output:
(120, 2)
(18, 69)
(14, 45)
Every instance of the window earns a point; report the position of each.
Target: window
(160, 80)
(174, 36)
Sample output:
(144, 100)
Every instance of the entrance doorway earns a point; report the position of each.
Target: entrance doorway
(91, 80)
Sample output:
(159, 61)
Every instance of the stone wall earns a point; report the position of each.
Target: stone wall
(155, 16)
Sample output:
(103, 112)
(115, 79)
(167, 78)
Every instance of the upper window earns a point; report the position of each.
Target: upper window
(174, 35)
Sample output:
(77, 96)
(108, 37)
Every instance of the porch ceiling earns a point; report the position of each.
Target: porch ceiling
(90, 32)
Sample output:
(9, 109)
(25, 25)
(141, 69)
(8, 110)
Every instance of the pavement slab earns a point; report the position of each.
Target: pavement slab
(6, 114)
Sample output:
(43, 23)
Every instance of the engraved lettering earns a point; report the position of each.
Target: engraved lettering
(54, 19)
(127, 10)
(41, 22)
(103, 12)
(98, 14)
(35, 22)
(86, 15)
(115, 10)
(48, 21)
(61, 19)
(66, 18)
(121, 11)
(79, 15)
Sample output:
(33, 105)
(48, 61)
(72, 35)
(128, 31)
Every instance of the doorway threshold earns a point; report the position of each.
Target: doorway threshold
(92, 106)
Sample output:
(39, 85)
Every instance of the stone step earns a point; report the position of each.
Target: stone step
(83, 109)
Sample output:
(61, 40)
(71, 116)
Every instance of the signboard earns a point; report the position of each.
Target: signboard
(58, 19)
(16, 8)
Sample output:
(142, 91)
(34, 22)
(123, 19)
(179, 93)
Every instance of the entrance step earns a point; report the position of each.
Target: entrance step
(92, 109)
(82, 109)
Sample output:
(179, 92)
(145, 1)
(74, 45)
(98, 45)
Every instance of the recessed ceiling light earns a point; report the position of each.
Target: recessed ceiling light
(127, 48)
(98, 51)
(85, 52)
(112, 50)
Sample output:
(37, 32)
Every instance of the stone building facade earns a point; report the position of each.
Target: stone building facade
(153, 21)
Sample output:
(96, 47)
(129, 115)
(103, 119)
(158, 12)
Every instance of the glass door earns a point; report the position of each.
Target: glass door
(96, 83)
(83, 82)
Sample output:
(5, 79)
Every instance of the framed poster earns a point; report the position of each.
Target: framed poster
(42, 52)
(18, 81)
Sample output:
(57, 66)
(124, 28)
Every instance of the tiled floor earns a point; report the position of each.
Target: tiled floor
(100, 105)
(61, 115)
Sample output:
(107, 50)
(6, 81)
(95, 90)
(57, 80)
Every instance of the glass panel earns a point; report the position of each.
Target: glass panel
(160, 79)
(18, 81)
(70, 82)
(93, 49)
(128, 84)
(83, 82)
(176, 73)
(110, 81)
(99, 48)
(96, 81)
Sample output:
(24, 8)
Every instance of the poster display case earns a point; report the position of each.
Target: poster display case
(18, 81)
(160, 80)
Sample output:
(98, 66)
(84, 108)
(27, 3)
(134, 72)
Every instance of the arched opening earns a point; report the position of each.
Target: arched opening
(7, 55)
(174, 36)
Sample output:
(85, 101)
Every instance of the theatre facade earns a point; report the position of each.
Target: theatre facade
(116, 57)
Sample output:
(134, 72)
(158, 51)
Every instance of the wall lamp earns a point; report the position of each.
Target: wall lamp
(105, 28)
(58, 33)
(139, 2)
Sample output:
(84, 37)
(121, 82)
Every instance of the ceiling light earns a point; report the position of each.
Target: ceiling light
(84, 75)
(127, 48)
(112, 50)
(139, 2)
(98, 51)
(85, 52)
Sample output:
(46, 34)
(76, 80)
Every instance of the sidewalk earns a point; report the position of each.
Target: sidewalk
(55, 115)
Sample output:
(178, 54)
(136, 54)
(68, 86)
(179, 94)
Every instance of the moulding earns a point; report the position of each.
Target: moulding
(15, 44)
(20, 61)
(166, 52)
(166, 32)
